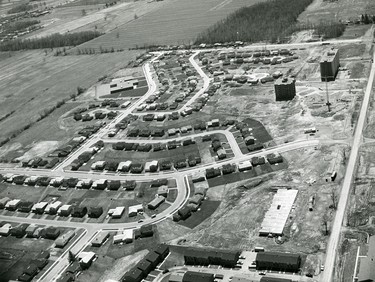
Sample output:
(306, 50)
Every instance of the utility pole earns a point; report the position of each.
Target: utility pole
(327, 95)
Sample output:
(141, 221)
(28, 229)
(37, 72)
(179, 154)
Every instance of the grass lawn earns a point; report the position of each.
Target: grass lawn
(206, 209)
(21, 192)
(172, 195)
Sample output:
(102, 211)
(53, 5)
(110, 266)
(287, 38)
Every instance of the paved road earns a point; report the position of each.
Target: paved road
(229, 135)
(333, 244)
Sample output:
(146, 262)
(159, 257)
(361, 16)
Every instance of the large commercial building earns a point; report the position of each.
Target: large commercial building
(329, 65)
(285, 89)
(278, 261)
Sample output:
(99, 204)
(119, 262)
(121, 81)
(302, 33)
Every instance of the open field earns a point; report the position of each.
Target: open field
(177, 22)
(46, 135)
(30, 82)
(338, 10)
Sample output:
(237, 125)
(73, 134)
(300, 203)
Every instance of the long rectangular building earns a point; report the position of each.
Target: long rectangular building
(278, 261)
(277, 215)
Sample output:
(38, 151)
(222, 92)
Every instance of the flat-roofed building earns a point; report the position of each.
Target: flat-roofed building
(277, 215)
(118, 211)
(278, 261)
(285, 89)
(329, 65)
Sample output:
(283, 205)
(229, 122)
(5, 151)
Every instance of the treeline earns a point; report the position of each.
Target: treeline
(329, 29)
(52, 41)
(20, 8)
(269, 21)
(19, 25)
(325, 30)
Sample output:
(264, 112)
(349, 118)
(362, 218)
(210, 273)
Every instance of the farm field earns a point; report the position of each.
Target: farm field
(31, 82)
(177, 22)
(70, 17)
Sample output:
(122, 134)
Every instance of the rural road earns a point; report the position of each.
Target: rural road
(333, 244)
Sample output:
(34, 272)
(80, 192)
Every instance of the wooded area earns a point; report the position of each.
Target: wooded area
(52, 41)
(272, 21)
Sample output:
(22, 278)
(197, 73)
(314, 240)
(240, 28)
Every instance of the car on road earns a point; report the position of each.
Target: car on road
(140, 221)
(262, 273)
(153, 216)
(322, 267)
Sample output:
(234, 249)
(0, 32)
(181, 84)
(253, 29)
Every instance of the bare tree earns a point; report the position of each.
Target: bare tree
(334, 199)
(325, 221)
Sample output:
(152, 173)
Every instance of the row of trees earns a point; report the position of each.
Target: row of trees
(51, 41)
(269, 21)
(367, 19)
(20, 8)
(19, 25)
